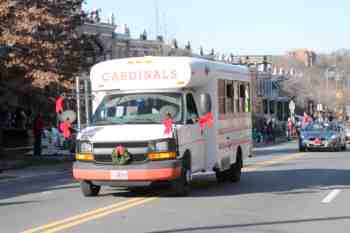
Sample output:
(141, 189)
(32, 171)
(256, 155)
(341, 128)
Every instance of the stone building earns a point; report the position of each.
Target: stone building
(307, 57)
(111, 43)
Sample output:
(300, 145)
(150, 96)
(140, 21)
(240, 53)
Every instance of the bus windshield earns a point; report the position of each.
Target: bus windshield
(139, 108)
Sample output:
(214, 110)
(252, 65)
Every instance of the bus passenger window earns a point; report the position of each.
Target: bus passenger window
(236, 96)
(229, 97)
(221, 96)
(241, 97)
(192, 113)
(247, 99)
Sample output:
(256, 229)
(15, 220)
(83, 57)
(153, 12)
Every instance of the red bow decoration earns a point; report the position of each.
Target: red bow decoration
(65, 128)
(207, 119)
(120, 150)
(59, 104)
(168, 123)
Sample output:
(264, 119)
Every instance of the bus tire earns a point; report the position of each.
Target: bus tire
(343, 148)
(235, 171)
(88, 189)
(220, 176)
(181, 186)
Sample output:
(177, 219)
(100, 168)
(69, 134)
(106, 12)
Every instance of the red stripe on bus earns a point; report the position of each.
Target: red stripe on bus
(133, 175)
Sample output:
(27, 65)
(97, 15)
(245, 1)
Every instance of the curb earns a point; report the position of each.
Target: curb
(261, 145)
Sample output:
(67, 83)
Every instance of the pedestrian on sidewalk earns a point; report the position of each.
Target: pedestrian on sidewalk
(271, 132)
(306, 121)
(265, 133)
(289, 128)
(38, 128)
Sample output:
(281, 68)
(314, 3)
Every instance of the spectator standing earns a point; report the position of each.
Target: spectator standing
(38, 128)
(289, 128)
(306, 120)
(271, 132)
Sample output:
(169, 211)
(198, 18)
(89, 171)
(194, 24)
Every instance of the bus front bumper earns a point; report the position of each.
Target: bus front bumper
(123, 175)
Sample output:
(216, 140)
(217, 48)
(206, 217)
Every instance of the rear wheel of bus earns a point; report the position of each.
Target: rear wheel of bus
(88, 189)
(232, 174)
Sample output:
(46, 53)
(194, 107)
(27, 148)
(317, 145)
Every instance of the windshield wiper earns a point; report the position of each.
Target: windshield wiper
(141, 121)
(106, 123)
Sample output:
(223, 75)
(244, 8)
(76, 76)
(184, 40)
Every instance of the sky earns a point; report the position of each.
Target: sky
(245, 27)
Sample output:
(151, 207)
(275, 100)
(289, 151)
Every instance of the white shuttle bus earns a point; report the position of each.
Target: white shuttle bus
(163, 119)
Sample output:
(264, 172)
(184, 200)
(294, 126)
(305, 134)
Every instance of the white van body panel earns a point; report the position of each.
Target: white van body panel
(214, 147)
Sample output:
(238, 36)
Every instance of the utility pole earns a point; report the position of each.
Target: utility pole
(157, 17)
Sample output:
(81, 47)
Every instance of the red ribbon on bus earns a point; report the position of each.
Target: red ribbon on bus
(207, 119)
(168, 124)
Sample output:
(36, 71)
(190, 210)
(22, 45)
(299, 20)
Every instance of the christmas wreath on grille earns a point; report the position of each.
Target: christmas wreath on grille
(120, 156)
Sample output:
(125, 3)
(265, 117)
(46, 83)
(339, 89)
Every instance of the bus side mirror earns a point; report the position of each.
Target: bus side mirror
(205, 103)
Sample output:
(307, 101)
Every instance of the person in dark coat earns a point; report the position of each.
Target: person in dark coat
(38, 127)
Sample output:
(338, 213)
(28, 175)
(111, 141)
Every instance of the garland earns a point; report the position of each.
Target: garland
(120, 156)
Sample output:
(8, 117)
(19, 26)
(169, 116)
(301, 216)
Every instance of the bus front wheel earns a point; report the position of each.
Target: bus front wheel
(88, 189)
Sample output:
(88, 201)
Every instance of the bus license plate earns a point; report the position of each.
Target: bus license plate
(119, 175)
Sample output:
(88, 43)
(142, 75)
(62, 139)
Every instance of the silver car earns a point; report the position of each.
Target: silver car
(322, 136)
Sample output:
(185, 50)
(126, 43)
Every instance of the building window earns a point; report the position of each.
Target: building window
(265, 106)
(272, 107)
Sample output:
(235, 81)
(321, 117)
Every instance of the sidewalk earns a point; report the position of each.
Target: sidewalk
(18, 162)
(35, 171)
(278, 140)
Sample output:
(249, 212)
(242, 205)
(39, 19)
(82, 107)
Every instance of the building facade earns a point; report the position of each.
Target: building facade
(307, 57)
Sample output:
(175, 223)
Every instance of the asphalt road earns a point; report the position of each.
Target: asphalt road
(281, 191)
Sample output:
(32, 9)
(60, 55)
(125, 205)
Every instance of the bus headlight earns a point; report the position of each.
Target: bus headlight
(162, 155)
(85, 147)
(162, 149)
(162, 145)
(84, 157)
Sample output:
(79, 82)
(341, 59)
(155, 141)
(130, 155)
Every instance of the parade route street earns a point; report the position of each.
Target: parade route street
(281, 190)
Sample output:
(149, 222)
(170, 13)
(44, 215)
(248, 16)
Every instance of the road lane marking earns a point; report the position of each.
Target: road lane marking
(83, 215)
(120, 206)
(100, 215)
(330, 197)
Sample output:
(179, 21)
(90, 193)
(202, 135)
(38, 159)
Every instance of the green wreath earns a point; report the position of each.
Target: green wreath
(120, 158)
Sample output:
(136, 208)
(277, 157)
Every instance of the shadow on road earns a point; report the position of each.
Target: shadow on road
(39, 184)
(275, 181)
(278, 182)
(271, 223)
(16, 203)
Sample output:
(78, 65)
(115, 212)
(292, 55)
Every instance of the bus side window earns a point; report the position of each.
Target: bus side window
(229, 97)
(236, 96)
(247, 98)
(221, 96)
(192, 113)
(241, 97)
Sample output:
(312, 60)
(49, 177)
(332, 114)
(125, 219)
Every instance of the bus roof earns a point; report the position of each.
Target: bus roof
(161, 73)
